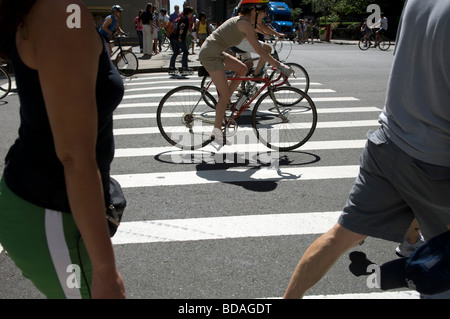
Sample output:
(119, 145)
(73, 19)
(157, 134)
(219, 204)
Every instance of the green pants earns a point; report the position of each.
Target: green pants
(46, 246)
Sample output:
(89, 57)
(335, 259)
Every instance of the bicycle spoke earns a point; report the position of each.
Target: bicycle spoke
(184, 118)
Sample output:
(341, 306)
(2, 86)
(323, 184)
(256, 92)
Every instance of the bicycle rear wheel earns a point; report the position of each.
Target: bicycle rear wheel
(385, 44)
(127, 63)
(184, 119)
(209, 85)
(284, 118)
(364, 44)
(5, 83)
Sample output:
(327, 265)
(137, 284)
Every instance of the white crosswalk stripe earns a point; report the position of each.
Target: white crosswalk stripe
(139, 105)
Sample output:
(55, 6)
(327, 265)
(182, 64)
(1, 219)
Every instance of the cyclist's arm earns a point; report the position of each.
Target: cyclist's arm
(106, 24)
(249, 30)
(119, 29)
(263, 28)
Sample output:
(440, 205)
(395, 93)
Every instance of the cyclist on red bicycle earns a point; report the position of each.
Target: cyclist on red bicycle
(213, 57)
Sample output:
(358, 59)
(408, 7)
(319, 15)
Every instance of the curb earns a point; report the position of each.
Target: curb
(161, 69)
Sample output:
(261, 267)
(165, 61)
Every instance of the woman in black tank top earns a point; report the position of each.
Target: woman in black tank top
(59, 165)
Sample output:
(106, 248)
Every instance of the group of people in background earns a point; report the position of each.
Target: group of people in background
(149, 25)
(306, 30)
(153, 26)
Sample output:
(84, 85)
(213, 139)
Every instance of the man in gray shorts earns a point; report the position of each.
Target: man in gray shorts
(405, 166)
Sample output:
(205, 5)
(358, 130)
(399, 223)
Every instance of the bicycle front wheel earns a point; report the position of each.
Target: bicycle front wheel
(127, 63)
(299, 78)
(184, 119)
(5, 83)
(284, 118)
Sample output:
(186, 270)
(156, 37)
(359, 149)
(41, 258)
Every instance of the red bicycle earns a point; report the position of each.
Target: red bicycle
(283, 118)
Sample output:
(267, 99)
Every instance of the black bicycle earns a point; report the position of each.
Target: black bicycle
(125, 61)
(5, 80)
(369, 40)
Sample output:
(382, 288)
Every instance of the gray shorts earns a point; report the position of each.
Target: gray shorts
(392, 188)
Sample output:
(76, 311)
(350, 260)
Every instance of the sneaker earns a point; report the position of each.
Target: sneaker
(405, 249)
(187, 71)
(219, 138)
(172, 70)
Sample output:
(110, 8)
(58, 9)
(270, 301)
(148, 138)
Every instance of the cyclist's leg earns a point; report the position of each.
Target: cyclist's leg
(246, 47)
(261, 61)
(46, 246)
(225, 89)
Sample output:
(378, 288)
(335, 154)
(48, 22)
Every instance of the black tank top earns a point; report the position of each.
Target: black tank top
(32, 169)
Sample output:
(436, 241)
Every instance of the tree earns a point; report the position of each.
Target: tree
(339, 7)
(296, 14)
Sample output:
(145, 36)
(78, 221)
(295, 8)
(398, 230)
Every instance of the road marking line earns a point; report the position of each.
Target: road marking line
(233, 175)
(161, 95)
(181, 129)
(406, 294)
(211, 228)
(316, 100)
(130, 116)
(247, 148)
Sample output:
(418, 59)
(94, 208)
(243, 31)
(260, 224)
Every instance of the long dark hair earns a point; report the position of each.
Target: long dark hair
(12, 14)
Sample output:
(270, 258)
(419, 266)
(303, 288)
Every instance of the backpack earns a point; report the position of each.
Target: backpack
(173, 28)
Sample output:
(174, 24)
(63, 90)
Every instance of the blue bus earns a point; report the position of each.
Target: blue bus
(281, 18)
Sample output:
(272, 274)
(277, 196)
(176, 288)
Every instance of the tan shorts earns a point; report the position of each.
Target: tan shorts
(211, 57)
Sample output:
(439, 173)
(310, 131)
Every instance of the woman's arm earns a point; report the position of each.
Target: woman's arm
(249, 30)
(67, 62)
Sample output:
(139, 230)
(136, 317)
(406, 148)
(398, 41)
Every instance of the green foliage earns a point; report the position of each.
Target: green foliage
(339, 7)
(296, 14)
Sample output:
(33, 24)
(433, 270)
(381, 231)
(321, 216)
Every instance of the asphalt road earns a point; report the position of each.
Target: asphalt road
(247, 243)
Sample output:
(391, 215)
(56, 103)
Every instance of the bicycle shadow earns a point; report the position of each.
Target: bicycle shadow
(253, 173)
(263, 177)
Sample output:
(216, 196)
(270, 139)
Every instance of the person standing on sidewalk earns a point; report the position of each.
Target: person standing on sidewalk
(155, 29)
(138, 27)
(405, 166)
(55, 184)
(178, 38)
(146, 18)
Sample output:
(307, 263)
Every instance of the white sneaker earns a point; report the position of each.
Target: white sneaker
(217, 137)
(405, 249)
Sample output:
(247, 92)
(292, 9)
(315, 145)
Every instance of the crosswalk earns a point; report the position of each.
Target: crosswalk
(138, 139)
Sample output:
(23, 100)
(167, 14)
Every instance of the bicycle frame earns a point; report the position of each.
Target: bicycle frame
(118, 49)
(269, 82)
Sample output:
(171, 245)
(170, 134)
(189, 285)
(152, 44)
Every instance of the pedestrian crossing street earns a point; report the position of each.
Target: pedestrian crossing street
(138, 140)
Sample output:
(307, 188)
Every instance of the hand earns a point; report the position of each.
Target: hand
(285, 70)
(107, 286)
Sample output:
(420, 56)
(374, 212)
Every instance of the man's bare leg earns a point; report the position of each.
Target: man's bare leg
(319, 258)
